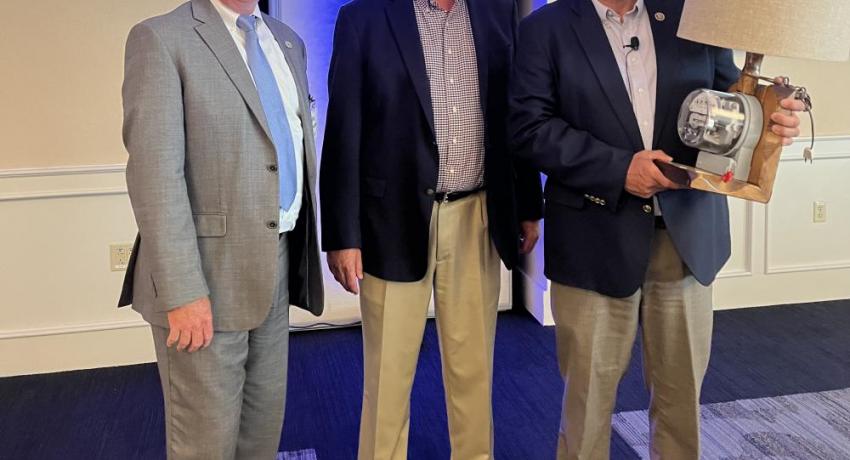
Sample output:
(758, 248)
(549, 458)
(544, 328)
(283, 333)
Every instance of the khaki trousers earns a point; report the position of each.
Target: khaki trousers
(595, 335)
(463, 273)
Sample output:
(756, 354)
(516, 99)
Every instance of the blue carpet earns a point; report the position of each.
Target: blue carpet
(116, 413)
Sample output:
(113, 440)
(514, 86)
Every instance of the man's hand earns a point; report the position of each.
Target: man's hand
(785, 125)
(347, 267)
(644, 179)
(530, 233)
(191, 326)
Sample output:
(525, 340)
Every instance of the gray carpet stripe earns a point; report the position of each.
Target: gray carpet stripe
(306, 454)
(803, 426)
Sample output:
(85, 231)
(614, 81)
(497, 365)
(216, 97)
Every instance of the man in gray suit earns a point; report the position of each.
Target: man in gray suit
(221, 177)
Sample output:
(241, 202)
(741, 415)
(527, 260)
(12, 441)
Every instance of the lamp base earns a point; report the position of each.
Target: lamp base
(765, 161)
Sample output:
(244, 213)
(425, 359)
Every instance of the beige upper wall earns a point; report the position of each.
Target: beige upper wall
(826, 83)
(60, 89)
(61, 81)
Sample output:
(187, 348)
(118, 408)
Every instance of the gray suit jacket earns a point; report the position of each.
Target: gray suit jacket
(202, 176)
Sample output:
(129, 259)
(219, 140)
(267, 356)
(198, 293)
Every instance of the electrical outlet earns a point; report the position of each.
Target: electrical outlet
(819, 213)
(119, 256)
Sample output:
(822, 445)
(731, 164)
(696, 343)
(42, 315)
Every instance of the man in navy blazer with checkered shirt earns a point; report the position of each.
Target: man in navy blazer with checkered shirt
(420, 196)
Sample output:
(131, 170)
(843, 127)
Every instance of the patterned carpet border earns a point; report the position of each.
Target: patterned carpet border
(306, 454)
(802, 426)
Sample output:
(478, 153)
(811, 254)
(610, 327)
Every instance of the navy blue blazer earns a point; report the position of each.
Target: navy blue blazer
(380, 159)
(572, 119)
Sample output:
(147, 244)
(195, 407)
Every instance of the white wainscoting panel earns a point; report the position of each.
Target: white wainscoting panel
(794, 259)
(59, 296)
(779, 255)
(57, 308)
(58, 303)
(794, 242)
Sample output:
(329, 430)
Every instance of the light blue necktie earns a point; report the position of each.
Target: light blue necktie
(273, 107)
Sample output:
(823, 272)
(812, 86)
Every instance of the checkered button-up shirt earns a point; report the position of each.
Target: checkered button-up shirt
(452, 67)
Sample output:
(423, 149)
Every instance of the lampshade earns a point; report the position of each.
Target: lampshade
(808, 29)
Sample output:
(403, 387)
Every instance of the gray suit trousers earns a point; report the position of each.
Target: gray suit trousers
(227, 401)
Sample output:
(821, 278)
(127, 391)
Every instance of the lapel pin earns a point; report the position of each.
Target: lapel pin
(289, 43)
(660, 17)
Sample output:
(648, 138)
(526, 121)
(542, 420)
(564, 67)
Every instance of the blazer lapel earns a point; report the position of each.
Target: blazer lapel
(402, 20)
(665, 24)
(595, 42)
(218, 39)
(479, 32)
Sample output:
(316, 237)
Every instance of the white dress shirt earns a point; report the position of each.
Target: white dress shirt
(288, 91)
(638, 68)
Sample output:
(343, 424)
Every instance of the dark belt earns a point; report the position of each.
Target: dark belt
(659, 223)
(446, 197)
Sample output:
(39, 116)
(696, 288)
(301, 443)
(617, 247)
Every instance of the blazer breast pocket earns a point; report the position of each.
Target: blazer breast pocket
(210, 225)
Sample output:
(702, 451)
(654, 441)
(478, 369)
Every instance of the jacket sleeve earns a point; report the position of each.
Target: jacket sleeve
(155, 139)
(529, 192)
(340, 169)
(547, 142)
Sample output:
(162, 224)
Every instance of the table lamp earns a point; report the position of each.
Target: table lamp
(739, 154)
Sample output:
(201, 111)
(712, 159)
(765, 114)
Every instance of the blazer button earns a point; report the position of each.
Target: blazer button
(272, 225)
(647, 209)
(430, 192)
(272, 168)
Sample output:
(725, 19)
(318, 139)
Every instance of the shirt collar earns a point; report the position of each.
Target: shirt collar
(606, 13)
(433, 3)
(229, 16)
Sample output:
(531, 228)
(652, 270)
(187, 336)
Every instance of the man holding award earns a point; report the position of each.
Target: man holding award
(594, 103)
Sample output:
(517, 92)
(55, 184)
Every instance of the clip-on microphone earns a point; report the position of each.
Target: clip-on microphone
(634, 44)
